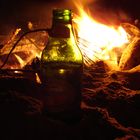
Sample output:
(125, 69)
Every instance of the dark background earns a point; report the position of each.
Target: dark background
(17, 13)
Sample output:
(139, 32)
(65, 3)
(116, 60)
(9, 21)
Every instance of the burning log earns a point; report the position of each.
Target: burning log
(131, 55)
(29, 47)
(131, 29)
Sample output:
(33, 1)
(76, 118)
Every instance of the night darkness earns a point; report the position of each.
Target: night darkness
(16, 13)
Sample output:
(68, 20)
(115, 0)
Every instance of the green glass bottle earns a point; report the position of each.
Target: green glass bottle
(61, 68)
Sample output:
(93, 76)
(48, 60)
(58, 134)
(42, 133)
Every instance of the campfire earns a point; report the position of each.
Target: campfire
(110, 84)
(97, 41)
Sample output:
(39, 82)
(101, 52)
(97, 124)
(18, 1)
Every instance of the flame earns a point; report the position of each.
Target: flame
(14, 35)
(98, 41)
(22, 63)
(31, 54)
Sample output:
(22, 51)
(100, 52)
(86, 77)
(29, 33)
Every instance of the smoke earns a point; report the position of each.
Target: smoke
(106, 11)
(112, 11)
(129, 7)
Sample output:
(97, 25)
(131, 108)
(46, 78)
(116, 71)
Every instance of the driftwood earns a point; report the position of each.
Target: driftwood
(131, 55)
(131, 29)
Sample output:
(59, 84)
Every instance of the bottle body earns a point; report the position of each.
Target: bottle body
(61, 71)
(62, 89)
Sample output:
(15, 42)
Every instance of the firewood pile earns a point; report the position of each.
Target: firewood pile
(110, 100)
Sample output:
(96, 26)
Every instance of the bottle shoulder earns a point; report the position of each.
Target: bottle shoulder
(61, 49)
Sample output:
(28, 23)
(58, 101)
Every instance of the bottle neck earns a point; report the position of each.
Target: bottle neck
(60, 29)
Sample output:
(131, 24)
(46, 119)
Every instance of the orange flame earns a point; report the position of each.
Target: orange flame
(98, 41)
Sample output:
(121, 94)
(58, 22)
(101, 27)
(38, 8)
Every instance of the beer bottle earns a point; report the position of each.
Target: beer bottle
(61, 69)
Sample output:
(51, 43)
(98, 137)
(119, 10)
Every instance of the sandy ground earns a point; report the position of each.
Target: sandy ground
(110, 106)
